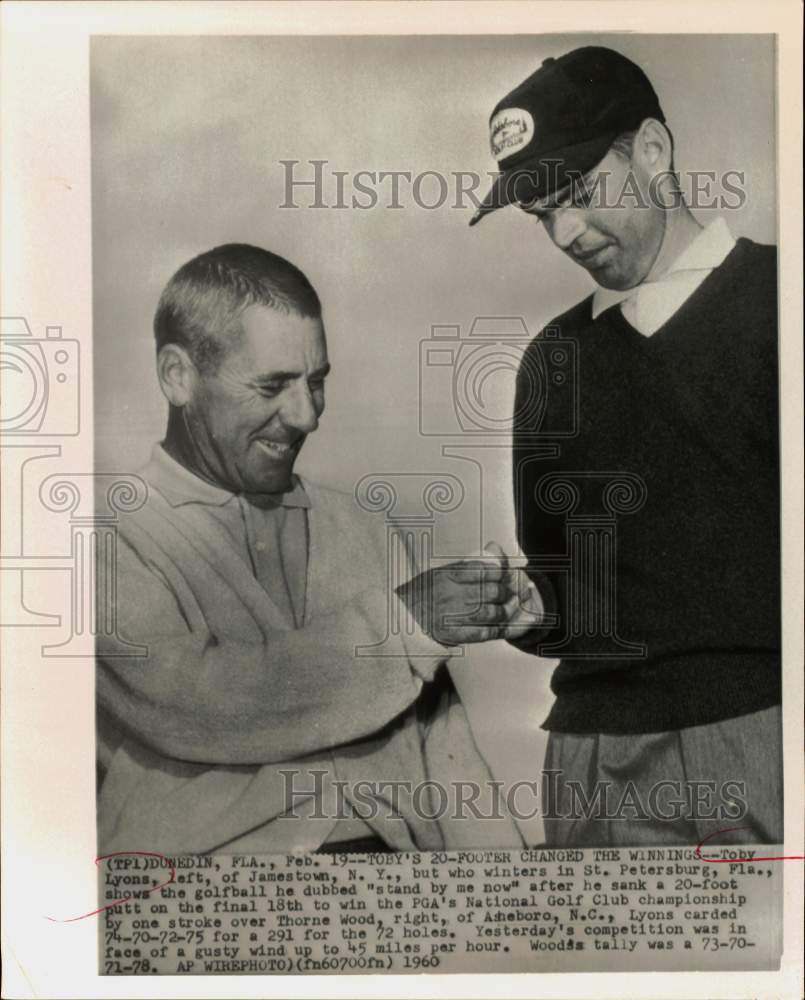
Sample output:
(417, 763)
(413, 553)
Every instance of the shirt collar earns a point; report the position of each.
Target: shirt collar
(181, 486)
(706, 252)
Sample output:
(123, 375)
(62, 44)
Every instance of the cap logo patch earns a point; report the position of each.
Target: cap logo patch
(510, 130)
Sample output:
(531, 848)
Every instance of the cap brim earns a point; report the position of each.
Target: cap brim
(542, 176)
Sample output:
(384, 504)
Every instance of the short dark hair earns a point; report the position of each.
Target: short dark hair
(201, 305)
(624, 143)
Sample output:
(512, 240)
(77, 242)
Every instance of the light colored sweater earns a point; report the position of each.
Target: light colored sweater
(193, 738)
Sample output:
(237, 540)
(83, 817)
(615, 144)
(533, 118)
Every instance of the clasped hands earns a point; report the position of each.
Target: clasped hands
(473, 600)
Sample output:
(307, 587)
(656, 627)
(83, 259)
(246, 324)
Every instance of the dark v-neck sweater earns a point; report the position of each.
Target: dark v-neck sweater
(693, 412)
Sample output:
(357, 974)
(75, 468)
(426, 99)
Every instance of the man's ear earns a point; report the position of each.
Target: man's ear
(652, 148)
(177, 374)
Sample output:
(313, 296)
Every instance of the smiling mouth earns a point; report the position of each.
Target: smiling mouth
(278, 449)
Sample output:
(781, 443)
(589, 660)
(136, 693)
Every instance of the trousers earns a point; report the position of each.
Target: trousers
(723, 780)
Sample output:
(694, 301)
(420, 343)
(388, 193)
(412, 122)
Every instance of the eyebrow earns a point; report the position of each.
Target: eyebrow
(288, 376)
(547, 206)
(555, 200)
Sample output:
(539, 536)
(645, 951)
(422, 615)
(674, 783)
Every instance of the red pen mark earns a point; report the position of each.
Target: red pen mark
(126, 899)
(733, 861)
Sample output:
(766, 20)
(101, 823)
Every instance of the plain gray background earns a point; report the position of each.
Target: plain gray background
(187, 135)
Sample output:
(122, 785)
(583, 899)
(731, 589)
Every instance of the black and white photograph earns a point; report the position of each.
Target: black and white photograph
(428, 578)
(551, 418)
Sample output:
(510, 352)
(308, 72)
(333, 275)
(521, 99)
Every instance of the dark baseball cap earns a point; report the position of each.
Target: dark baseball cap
(561, 121)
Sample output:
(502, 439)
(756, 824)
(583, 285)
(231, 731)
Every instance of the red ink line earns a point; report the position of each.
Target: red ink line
(735, 861)
(126, 899)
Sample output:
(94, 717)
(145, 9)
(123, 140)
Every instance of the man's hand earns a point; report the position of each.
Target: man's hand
(467, 601)
(524, 607)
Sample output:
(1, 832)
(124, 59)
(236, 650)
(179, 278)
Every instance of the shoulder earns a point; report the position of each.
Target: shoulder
(327, 497)
(150, 505)
(567, 325)
(572, 320)
(754, 261)
(154, 538)
(745, 291)
(555, 344)
(760, 252)
(359, 510)
(157, 527)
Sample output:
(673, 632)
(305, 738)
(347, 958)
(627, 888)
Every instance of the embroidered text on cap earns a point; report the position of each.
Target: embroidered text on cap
(510, 130)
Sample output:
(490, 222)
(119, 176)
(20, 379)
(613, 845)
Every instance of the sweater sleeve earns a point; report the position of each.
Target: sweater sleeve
(537, 534)
(219, 699)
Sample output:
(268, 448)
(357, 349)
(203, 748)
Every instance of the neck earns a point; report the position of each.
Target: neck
(179, 445)
(681, 229)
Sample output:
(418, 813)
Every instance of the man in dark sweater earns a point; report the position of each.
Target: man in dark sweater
(652, 532)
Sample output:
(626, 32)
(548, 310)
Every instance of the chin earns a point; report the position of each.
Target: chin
(273, 482)
(271, 476)
(615, 282)
(608, 277)
(277, 484)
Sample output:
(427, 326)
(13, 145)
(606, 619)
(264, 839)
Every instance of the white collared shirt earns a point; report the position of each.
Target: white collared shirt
(651, 304)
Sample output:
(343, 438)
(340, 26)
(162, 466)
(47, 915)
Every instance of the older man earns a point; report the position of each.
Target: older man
(271, 690)
(666, 725)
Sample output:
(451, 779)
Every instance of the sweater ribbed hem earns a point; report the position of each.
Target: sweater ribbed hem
(695, 689)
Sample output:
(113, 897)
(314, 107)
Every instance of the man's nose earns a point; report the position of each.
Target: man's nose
(299, 408)
(566, 225)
